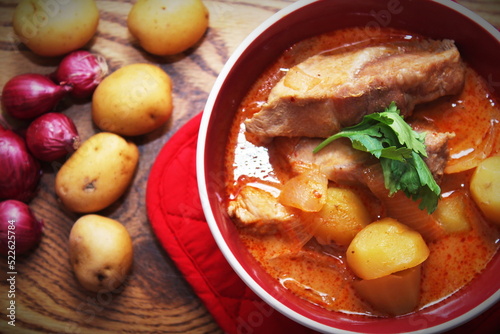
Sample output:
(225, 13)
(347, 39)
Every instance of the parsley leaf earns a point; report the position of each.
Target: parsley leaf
(400, 149)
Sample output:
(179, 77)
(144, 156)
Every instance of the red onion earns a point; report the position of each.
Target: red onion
(83, 71)
(52, 136)
(19, 170)
(20, 231)
(29, 95)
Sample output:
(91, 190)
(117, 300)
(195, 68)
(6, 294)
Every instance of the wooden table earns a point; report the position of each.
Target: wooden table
(156, 297)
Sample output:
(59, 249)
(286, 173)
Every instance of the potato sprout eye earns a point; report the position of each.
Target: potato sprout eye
(90, 186)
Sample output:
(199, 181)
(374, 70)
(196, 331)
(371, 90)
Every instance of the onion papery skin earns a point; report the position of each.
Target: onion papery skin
(83, 71)
(20, 172)
(52, 136)
(26, 230)
(27, 96)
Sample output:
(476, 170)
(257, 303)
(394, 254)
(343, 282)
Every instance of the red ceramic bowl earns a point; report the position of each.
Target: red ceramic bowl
(479, 44)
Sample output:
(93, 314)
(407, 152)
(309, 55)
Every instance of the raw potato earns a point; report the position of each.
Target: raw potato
(101, 252)
(385, 247)
(134, 100)
(54, 28)
(167, 27)
(340, 219)
(97, 174)
(485, 188)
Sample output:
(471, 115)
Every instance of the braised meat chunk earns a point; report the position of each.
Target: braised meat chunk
(329, 91)
(437, 152)
(258, 210)
(340, 162)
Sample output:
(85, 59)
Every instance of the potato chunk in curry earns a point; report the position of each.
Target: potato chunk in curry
(394, 294)
(340, 219)
(385, 247)
(485, 188)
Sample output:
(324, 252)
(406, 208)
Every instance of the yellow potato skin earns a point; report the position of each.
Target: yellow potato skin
(97, 174)
(485, 188)
(385, 247)
(54, 28)
(134, 100)
(167, 27)
(101, 252)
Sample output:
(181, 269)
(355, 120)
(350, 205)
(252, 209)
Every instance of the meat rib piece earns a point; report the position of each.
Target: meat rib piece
(327, 92)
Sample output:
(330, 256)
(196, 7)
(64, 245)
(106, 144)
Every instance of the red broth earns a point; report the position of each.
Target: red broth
(319, 273)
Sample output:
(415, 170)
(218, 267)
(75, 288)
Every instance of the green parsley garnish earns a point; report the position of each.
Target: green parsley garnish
(400, 150)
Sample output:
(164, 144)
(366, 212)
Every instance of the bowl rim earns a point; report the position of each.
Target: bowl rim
(204, 196)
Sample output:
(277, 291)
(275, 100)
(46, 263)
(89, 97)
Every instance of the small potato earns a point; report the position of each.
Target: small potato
(97, 174)
(101, 252)
(54, 28)
(385, 247)
(485, 188)
(134, 100)
(167, 27)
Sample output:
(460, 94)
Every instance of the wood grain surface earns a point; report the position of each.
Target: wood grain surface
(155, 298)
